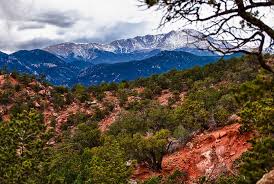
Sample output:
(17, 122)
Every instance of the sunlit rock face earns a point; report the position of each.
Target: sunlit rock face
(268, 178)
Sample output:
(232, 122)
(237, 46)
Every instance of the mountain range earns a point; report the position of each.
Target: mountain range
(125, 59)
(160, 63)
(140, 47)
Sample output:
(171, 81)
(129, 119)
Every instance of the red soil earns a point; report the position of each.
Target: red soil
(110, 119)
(139, 90)
(10, 79)
(71, 109)
(207, 154)
(2, 80)
(164, 97)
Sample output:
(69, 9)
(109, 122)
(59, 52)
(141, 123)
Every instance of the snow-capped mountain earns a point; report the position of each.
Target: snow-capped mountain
(130, 49)
(125, 59)
(3, 56)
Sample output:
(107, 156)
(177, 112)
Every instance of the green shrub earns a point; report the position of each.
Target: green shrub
(5, 98)
(58, 100)
(153, 180)
(75, 119)
(181, 134)
(177, 177)
(23, 149)
(17, 87)
(61, 89)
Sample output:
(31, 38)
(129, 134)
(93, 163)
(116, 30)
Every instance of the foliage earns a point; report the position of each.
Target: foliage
(80, 161)
(182, 134)
(257, 113)
(87, 135)
(23, 148)
(153, 180)
(58, 100)
(74, 120)
(5, 98)
(152, 118)
(108, 164)
(148, 149)
(80, 92)
(69, 162)
(260, 115)
(68, 165)
(143, 130)
(177, 177)
(192, 115)
(122, 96)
(258, 161)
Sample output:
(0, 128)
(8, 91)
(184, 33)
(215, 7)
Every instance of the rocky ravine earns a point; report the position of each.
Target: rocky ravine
(207, 154)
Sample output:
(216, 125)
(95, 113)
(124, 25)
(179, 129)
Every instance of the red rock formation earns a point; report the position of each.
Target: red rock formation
(110, 119)
(210, 154)
(268, 178)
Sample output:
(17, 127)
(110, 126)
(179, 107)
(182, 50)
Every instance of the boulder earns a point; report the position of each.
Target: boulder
(268, 178)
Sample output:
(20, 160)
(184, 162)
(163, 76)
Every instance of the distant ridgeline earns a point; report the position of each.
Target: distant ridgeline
(128, 59)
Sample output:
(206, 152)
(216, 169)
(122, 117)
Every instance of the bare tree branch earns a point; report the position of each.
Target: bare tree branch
(219, 22)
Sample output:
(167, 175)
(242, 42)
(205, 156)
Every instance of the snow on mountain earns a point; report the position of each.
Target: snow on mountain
(85, 51)
(3, 56)
(95, 62)
(170, 41)
(139, 43)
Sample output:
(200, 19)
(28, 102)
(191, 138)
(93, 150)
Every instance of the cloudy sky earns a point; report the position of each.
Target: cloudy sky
(27, 24)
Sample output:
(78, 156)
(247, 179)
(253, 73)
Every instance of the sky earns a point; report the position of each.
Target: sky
(28, 24)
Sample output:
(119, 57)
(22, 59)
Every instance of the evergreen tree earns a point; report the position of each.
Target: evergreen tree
(23, 148)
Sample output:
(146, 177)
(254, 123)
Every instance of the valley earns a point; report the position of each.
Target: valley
(184, 126)
(137, 92)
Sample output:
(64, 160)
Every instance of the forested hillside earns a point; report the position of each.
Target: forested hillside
(143, 131)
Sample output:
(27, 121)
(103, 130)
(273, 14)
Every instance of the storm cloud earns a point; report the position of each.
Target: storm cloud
(30, 24)
(37, 43)
(116, 31)
(59, 19)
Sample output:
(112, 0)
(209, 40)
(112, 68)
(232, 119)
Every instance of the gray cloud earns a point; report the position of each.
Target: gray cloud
(30, 25)
(59, 19)
(16, 10)
(117, 31)
(56, 18)
(11, 10)
(37, 43)
(105, 34)
(124, 30)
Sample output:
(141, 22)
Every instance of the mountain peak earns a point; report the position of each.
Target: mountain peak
(168, 41)
(3, 54)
